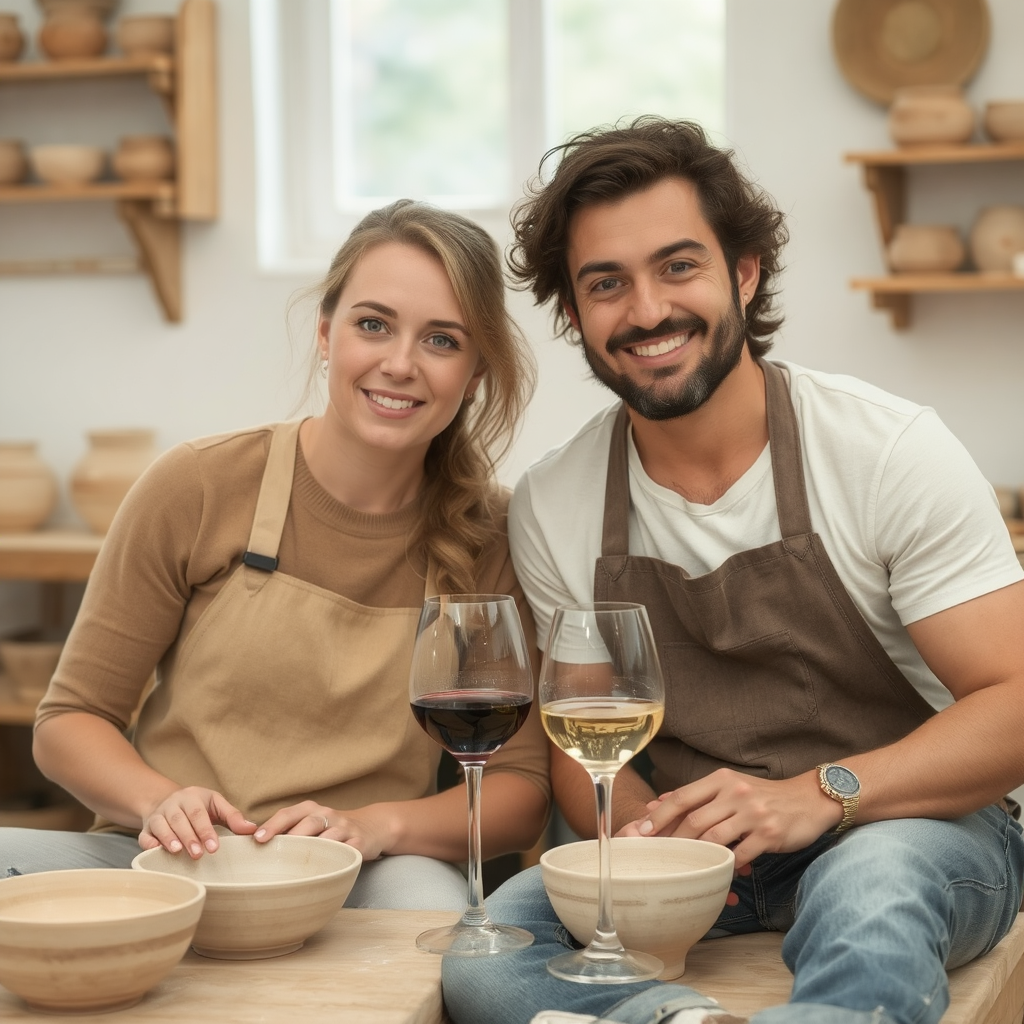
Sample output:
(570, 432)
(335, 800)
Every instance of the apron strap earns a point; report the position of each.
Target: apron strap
(787, 461)
(275, 496)
(615, 532)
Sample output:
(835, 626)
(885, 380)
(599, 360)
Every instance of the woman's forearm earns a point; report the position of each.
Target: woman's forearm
(91, 759)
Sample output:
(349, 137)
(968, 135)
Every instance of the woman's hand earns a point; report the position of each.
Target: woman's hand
(185, 821)
(368, 829)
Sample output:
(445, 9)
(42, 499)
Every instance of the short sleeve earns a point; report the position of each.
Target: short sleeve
(937, 524)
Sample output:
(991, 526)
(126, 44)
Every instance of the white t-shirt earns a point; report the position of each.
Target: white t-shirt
(911, 525)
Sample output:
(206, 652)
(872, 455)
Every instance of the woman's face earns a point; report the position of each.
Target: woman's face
(400, 358)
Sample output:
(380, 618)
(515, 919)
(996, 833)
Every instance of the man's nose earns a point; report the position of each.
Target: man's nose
(649, 305)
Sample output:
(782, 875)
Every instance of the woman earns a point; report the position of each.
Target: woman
(275, 577)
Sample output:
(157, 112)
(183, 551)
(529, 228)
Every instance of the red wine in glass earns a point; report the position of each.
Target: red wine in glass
(471, 725)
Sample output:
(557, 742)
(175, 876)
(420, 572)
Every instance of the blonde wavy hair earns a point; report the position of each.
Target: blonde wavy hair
(459, 500)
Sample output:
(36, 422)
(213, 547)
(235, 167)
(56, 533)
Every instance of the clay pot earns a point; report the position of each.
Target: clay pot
(926, 248)
(923, 114)
(67, 165)
(28, 488)
(69, 36)
(1004, 120)
(114, 461)
(146, 34)
(12, 42)
(30, 665)
(996, 237)
(146, 157)
(13, 162)
(101, 9)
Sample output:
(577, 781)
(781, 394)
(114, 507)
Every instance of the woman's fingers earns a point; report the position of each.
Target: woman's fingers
(304, 819)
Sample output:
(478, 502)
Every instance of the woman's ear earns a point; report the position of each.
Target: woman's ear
(323, 336)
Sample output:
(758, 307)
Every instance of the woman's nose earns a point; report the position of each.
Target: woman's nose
(399, 360)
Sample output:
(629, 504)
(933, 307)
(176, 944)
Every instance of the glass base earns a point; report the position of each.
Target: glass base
(597, 967)
(474, 939)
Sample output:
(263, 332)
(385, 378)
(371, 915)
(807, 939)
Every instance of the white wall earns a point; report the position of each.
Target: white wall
(80, 353)
(791, 117)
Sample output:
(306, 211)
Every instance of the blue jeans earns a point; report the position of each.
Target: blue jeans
(873, 919)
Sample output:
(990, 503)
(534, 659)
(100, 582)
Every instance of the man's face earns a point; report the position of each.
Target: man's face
(660, 314)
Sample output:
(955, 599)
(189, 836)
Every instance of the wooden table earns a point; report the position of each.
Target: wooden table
(363, 968)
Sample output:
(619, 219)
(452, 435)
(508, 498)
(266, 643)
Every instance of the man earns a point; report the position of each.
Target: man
(836, 603)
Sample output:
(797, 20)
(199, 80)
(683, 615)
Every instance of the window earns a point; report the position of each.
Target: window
(359, 102)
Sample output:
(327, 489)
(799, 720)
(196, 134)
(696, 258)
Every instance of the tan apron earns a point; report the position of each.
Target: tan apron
(307, 689)
(769, 666)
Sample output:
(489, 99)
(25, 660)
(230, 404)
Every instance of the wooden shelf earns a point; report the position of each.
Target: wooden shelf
(48, 555)
(151, 211)
(886, 179)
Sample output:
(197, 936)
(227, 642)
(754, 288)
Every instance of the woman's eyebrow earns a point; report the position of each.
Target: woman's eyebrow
(379, 307)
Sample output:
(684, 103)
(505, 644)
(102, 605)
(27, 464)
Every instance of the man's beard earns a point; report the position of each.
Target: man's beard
(722, 358)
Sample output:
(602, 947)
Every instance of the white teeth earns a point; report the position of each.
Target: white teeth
(662, 347)
(390, 403)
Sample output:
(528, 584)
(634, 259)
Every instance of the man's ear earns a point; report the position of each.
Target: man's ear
(748, 274)
(571, 315)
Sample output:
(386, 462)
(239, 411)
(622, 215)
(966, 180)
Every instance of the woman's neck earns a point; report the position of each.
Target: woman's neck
(376, 481)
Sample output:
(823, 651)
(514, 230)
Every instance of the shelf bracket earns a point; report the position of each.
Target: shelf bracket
(897, 304)
(888, 187)
(159, 243)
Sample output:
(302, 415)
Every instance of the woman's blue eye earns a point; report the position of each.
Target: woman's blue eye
(372, 325)
(443, 341)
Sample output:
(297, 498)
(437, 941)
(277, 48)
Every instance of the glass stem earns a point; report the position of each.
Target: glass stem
(605, 939)
(475, 913)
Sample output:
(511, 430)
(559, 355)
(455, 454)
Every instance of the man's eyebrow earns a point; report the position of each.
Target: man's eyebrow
(611, 267)
(683, 245)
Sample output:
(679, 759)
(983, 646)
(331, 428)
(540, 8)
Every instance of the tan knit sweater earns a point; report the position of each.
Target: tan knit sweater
(178, 537)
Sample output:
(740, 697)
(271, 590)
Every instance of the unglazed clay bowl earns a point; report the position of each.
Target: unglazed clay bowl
(13, 162)
(67, 164)
(30, 665)
(1004, 120)
(145, 34)
(94, 939)
(926, 248)
(263, 899)
(666, 892)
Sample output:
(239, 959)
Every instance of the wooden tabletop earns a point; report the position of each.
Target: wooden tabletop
(363, 968)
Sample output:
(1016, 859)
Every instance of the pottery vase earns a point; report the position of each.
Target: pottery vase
(926, 248)
(923, 114)
(144, 157)
(12, 42)
(69, 36)
(997, 237)
(102, 9)
(114, 461)
(13, 162)
(28, 488)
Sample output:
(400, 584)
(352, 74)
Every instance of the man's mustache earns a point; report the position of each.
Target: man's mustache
(666, 329)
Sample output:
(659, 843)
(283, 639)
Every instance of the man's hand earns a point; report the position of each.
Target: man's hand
(750, 815)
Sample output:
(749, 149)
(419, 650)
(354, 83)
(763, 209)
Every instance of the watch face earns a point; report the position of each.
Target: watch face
(842, 780)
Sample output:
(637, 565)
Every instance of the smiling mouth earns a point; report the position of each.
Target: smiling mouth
(662, 347)
(390, 403)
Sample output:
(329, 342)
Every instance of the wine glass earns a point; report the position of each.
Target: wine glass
(471, 688)
(602, 700)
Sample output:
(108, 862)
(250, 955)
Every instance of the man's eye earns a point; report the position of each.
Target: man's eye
(679, 267)
(606, 284)
(372, 325)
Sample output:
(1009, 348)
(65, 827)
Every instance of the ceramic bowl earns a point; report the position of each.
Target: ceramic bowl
(926, 248)
(94, 939)
(263, 899)
(145, 34)
(67, 165)
(13, 162)
(1004, 120)
(666, 892)
(30, 666)
(72, 35)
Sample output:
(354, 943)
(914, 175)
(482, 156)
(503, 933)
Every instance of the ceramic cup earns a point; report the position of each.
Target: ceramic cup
(1004, 120)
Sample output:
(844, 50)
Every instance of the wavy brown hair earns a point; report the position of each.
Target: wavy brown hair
(459, 499)
(605, 165)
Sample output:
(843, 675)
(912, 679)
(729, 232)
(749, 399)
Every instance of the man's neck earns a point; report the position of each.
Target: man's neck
(701, 455)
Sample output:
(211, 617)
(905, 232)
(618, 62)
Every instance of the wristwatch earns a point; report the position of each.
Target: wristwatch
(841, 784)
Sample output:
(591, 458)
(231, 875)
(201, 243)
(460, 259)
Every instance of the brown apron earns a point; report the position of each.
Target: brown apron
(307, 690)
(769, 667)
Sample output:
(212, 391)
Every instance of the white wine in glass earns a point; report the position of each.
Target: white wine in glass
(602, 700)
(471, 688)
